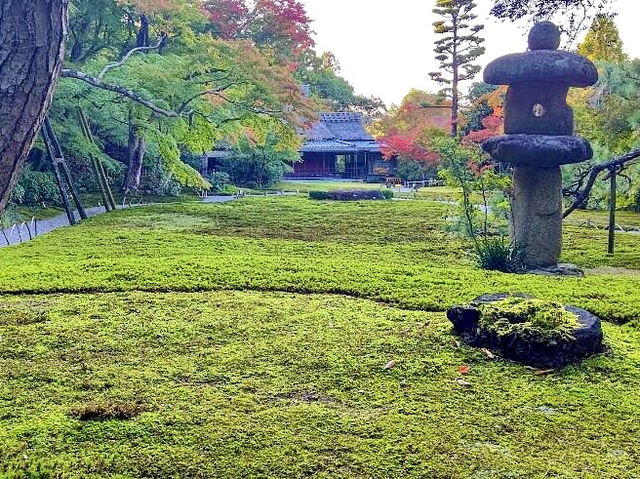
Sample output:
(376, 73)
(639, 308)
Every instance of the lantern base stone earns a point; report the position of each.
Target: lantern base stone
(536, 214)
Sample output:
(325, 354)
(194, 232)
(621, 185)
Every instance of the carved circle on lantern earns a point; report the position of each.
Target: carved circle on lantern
(539, 110)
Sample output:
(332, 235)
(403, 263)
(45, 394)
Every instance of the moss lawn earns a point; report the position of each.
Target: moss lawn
(249, 340)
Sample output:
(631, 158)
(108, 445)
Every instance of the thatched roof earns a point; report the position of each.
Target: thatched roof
(341, 132)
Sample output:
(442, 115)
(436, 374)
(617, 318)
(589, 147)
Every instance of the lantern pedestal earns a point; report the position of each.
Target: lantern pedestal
(536, 214)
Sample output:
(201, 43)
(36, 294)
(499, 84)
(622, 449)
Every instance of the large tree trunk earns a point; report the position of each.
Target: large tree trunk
(32, 37)
(136, 160)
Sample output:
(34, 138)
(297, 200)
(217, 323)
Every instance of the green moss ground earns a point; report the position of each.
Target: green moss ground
(395, 252)
(252, 336)
(627, 219)
(319, 185)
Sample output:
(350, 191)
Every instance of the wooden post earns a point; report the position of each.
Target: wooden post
(59, 158)
(94, 162)
(74, 192)
(106, 182)
(101, 174)
(56, 172)
(612, 211)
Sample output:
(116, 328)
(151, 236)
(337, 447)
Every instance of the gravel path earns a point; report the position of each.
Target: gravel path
(25, 231)
(218, 199)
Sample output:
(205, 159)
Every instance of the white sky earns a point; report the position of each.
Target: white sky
(386, 48)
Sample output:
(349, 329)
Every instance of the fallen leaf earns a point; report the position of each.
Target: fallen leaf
(463, 383)
(390, 365)
(488, 353)
(463, 369)
(545, 372)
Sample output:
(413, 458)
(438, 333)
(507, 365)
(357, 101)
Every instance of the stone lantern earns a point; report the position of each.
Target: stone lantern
(539, 137)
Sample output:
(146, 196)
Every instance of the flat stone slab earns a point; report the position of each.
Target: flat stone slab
(562, 269)
(553, 66)
(588, 338)
(543, 151)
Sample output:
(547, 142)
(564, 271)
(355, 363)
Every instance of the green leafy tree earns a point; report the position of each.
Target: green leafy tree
(458, 47)
(603, 42)
(332, 91)
(608, 115)
(261, 154)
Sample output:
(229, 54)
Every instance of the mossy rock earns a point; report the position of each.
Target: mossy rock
(535, 332)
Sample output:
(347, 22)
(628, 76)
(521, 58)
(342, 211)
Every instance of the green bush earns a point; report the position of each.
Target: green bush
(410, 170)
(17, 194)
(319, 195)
(388, 194)
(254, 171)
(351, 195)
(161, 182)
(495, 254)
(219, 181)
(34, 188)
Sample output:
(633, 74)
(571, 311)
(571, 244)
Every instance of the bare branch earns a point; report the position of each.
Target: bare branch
(106, 69)
(613, 164)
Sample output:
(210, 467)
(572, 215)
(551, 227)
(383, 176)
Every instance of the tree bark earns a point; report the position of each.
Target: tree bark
(134, 173)
(455, 93)
(32, 38)
(137, 150)
(612, 211)
(142, 39)
(77, 35)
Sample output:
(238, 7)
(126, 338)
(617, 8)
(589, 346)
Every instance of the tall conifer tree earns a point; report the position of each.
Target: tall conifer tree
(603, 42)
(457, 49)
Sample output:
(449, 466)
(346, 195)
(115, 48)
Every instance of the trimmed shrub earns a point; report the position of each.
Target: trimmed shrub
(319, 195)
(351, 195)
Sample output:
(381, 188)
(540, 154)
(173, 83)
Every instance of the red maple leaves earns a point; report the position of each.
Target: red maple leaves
(282, 25)
(228, 17)
(493, 126)
(407, 145)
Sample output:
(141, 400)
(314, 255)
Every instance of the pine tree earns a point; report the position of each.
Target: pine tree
(456, 51)
(603, 42)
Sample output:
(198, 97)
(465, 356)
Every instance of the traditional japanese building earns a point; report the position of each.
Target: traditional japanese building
(338, 146)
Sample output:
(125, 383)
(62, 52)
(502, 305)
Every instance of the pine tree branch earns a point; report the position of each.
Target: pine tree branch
(612, 164)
